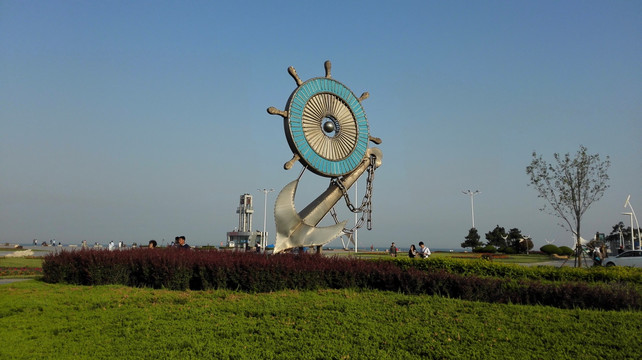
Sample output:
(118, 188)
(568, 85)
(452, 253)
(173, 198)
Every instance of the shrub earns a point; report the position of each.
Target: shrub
(514, 271)
(490, 249)
(509, 250)
(550, 249)
(566, 251)
(179, 269)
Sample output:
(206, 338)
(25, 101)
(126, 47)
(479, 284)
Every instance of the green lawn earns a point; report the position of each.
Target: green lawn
(508, 259)
(39, 320)
(20, 262)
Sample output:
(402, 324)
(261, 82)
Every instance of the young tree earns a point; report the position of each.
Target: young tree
(472, 240)
(569, 186)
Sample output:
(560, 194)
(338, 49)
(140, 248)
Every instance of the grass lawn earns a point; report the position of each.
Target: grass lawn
(21, 262)
(39, 320)
(508, 259)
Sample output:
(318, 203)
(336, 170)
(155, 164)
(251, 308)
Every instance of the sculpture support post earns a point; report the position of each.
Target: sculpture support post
(299, 229)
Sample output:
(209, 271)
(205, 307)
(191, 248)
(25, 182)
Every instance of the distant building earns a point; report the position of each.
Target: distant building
(243, 237)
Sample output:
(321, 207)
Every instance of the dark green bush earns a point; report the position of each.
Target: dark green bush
(550, 249)
(566, 251)
(490, 249)
(507, 250)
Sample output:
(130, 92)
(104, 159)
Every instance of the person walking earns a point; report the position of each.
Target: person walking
(393, 250)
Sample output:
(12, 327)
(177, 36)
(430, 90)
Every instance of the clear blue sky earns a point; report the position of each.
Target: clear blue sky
(145, 120)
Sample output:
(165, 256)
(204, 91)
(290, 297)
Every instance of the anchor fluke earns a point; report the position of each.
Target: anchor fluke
(291, 229)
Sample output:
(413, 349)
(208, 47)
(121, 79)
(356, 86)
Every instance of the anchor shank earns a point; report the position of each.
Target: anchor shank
(319, 207)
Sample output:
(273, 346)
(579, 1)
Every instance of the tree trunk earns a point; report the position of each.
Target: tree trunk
(578, 245)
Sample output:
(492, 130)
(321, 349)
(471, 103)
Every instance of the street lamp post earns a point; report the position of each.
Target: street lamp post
(632, 239)
(627, 202)
(263, 237)
(472, 202)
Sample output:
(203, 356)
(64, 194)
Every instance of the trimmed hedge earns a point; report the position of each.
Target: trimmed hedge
(550, 249)
(565, 250)
(514, 271)
(201, 270)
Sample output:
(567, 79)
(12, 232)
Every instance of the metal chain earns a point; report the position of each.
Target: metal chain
(366, 203)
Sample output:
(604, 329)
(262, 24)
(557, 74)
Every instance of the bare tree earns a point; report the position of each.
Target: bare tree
(569, 186)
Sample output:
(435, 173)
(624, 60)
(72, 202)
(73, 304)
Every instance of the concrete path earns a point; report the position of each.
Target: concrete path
(9, 281)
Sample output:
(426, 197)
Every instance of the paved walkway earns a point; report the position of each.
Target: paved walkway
(38, 251)
(9, 281)
(561, 262)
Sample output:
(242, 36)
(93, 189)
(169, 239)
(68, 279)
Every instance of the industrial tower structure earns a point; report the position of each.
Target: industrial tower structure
(243, 237)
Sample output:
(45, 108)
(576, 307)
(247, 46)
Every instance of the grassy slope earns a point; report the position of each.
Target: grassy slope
(40, 320)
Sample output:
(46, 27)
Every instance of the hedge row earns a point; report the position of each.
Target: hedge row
(551, 273)
(201, 270)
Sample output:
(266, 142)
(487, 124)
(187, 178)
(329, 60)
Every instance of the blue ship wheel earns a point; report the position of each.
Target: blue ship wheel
(325, 125)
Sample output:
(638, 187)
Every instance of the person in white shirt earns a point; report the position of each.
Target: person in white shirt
(423, 251)
(111, 245)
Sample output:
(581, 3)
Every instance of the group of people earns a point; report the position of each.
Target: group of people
(423, 251)
(112, 246)
(179, 242)
(52, 242)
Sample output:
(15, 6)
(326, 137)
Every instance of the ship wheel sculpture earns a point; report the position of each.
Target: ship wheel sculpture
(327, 130)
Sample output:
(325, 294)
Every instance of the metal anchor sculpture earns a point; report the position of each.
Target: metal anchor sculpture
(327, 130)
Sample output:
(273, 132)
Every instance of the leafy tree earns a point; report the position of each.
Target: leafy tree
(569, 186)
(472, 240)
(518, 242)
(615, 233)
(525, 244)
(626, 233)
(497, 237)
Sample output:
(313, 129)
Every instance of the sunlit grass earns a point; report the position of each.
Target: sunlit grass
(39, 320)
(34, 262)
(509, 259)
